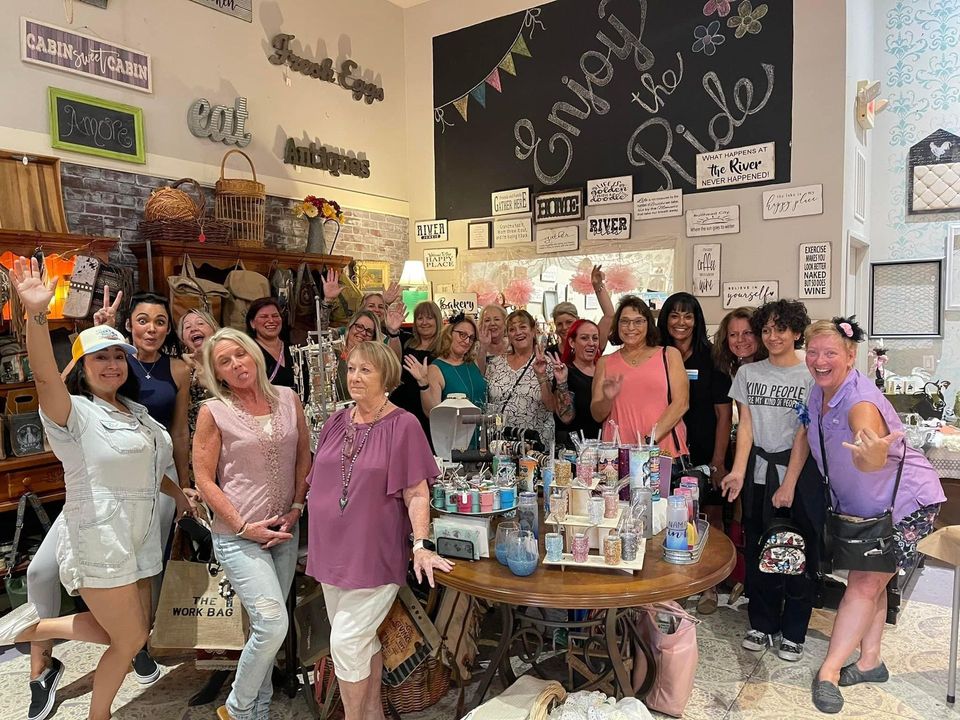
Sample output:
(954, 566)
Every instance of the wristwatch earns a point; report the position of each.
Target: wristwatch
(424, 544)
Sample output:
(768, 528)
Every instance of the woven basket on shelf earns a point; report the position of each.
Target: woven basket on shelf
(182, 226)
(240, 204)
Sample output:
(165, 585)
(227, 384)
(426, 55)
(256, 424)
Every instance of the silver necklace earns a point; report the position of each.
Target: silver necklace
(152, 366)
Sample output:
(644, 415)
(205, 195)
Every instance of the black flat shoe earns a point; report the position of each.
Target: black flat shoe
(827, 697)
(852, 675)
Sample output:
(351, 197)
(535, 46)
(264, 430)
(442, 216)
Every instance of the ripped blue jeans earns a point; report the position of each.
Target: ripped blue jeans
(262, 580)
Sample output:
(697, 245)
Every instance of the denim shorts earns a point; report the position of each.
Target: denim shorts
(109, 540)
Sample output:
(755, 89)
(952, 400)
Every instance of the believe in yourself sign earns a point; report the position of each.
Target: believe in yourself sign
(73, 52)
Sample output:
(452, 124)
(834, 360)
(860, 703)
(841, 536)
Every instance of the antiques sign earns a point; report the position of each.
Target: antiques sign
(431, 230)
(736, 166)
(218, 122)
(242, 9)
(73, 52)
(317, 156)
(814, 270)
(506, 202)
(283, 55)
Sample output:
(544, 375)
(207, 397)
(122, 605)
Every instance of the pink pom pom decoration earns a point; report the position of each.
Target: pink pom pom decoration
(581, 283)
(486, 292)
(620, 279)
(847, 330)
(518, 292)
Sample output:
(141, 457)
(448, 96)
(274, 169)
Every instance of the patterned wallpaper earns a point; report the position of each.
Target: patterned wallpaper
(918, 62)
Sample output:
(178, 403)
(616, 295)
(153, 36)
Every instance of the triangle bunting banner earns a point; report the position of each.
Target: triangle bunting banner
(507, 64)
(493, 80)
(520, 47)
(461, 106)
(479, 94)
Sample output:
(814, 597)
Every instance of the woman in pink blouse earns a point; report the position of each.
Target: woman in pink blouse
(368, 488)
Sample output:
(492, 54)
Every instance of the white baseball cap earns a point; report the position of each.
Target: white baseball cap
(99, 338)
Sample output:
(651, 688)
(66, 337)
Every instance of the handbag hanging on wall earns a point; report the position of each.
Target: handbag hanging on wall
(856, 543)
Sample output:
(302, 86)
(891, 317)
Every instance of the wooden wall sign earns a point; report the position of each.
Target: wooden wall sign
(663, 203)
(241, 9)
(608, 227)
(515, 231)
(558, 239)
(793, 202)
(318, 157)
(440, 259)
(218, 122)
(713, 221)
(506, 202)
(453, 303)
(431, 230)
(478, 235)
(561, 205)
(610, 190)
(706, 270)
(323, 70)
(89, 125)
(62, 49)
(736, 166)
(814, 271)
(753, 293)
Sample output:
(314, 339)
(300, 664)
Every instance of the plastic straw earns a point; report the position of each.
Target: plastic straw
(653, 435)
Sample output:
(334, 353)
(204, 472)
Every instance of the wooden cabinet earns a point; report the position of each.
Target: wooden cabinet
(161, 259)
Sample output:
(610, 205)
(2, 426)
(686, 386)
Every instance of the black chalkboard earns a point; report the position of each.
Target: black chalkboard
(86, 124)
(624, 87)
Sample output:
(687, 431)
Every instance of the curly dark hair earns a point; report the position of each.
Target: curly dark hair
(637, 303)
(785, 315)
(685, 303)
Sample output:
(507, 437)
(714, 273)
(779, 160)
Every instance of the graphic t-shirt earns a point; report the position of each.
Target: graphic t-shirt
(775, 396)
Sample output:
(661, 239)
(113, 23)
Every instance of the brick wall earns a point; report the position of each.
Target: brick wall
(110, 203)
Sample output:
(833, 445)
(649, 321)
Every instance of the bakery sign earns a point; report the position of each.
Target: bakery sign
(347, 77)
(73, 52)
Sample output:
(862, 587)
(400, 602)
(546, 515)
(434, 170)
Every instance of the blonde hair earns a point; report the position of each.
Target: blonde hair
(217, 387)
(202, 314)
(382, 358)
(827, 327)
(368, 314)
(446, 339)
(493, 307)
(427, 307)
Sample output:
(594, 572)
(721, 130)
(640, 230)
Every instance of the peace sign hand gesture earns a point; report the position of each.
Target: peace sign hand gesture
(539, 360)
(559, 368)
(35, 293)
(612, 384)
(107, 315)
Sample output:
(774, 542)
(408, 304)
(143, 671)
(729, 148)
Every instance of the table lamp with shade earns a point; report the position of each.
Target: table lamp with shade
(413, 281)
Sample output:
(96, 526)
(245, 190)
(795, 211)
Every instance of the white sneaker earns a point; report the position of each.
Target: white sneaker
(756, 641)
(790, 651)
(16, 621)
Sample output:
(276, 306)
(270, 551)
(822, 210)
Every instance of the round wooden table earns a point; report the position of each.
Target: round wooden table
(602, 659)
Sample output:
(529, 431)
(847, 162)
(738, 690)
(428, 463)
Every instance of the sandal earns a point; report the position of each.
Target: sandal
(707, 604)
(735, 593)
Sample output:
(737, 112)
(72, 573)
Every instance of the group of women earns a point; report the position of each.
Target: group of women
(121, 417)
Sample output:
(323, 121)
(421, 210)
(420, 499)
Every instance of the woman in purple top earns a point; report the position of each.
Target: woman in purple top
(863, 439)
(368, 487)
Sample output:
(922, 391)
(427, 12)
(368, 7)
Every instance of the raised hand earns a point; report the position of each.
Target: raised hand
(539, 360)
(331, 284)
(597, 277)
(869, 450)
(559, 368)
(391, 294)
(35, 293)
(394, 317)
(416, 368)
(107, 315)
(612, 384)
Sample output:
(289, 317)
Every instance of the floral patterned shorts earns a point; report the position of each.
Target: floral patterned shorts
(909, 531)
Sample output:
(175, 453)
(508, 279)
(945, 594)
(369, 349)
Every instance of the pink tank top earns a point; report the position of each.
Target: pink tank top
(641, 402)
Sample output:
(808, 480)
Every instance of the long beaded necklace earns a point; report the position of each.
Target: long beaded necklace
(346, 474)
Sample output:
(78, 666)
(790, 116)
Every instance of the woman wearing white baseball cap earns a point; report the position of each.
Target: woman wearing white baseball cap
(115, 462)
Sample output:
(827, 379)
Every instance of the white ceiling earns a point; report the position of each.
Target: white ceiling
(407, 3)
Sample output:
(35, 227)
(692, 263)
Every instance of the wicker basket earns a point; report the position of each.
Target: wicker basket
(240, 204)
(196, 229)
(171, 203)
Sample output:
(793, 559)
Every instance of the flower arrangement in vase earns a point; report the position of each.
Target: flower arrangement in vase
(319, 211)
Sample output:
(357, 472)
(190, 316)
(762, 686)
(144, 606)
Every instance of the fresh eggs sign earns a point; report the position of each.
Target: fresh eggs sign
(323, 70)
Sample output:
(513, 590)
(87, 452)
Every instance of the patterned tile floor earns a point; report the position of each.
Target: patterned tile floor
(731, 683)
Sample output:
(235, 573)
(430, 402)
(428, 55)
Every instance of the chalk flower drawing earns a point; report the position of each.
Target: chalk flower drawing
(720, 7)
(747, 19)
(707, 38)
